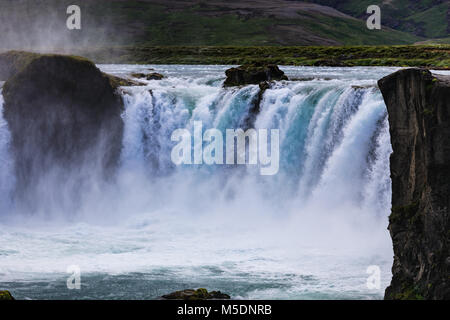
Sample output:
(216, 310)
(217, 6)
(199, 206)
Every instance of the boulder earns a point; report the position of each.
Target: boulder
(253, 74)
(150, 76)
(155, 76)
(12, 62)
(199, 294)
(63, 112)
(6, 295)
(418, 105)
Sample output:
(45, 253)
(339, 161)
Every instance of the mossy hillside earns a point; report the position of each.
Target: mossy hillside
(158, 23)
(426, 18)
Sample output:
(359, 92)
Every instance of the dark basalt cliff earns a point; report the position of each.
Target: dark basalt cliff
(418, 104)
(64, 114)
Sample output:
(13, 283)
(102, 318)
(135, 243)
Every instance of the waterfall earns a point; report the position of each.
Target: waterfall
(311, 230)
(334, 144)
(334, 141)
(6, 163)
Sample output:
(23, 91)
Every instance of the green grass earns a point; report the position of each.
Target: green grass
(355, 32)
(433, 21)
(423, 18)
(429, 56)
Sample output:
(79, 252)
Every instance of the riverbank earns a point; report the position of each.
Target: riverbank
(428, 56)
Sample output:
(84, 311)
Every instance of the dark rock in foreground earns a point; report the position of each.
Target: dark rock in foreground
(6, 295)
(253, 74)
(418, 104)
(63, 113)
(199, 294)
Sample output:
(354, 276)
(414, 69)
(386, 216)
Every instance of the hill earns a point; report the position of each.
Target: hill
(30, 24)
(424, 18)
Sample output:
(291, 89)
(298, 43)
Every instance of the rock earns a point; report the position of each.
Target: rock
(138, 75)
(418, 104)
(199, 294)
(121, 82)
(154, 76)
(249, 121)
(6, 295)
(63, 112)
(12, 62)
(253, 74)
(150, 76)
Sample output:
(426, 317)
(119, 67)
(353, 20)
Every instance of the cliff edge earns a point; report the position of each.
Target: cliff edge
(418, 104)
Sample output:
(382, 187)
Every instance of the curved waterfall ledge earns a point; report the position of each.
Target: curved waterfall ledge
(309, 231)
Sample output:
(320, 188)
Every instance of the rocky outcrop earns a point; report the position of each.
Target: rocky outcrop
(12, 62)
(253, 74)
(150, 76)
(418, 104)
(199, 294)
(62, 113)
(249, 120)
(5, 295)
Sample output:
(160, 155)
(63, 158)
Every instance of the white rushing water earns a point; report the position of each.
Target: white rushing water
(308, 232)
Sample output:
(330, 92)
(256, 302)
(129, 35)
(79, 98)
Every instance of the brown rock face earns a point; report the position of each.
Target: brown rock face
(65, 121)
(418, 104)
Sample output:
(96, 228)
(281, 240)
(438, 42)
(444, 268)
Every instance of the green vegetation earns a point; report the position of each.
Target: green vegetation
(433, 21)
(404, 213)
(157, 24)
(408, 292)
(425, 18)
(179, 23)
(437, 57)
(5, 295)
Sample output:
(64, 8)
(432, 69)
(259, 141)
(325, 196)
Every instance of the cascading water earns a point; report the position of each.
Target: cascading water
(309, 231)
(6, 163)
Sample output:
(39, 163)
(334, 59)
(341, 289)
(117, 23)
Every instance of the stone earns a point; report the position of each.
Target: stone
(253, 74)
(5, 295)
(418, 104)
(199, 294)
(62, 112)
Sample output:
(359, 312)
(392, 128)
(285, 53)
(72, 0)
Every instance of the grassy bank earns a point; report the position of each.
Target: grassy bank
(431, 56)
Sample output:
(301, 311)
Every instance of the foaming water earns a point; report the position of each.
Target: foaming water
(309, 232)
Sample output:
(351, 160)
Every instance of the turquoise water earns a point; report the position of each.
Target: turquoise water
(308, 232)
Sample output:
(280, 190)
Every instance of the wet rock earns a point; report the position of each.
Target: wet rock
(63, 112)
(6, 295)
(249, 121)
(253, 74)
(150, 76)
(12, 62)
(121, 82)
(418, 104)
(199, 294)
(154, 76)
